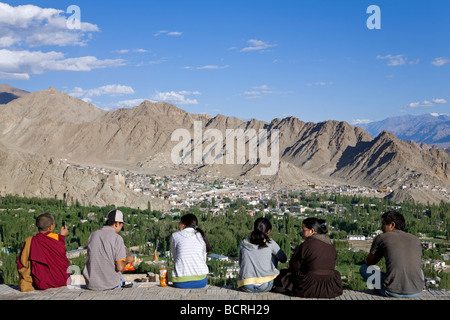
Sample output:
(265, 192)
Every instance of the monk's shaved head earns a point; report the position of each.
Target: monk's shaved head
(44, 221)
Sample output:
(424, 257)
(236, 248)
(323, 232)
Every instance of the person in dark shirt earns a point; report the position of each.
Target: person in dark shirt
(311, 272)
(402, 252)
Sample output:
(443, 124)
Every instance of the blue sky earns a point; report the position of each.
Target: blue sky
(315, 60)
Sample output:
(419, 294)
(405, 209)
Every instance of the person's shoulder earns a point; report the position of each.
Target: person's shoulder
(176, 235)
(273, 243)
(410, 235)
(246, 244)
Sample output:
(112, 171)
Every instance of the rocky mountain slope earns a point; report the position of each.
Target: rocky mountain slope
(49, 124)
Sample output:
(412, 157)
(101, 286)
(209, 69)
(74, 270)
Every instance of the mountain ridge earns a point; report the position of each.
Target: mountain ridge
(55, 125)
(9, 93)
(430, 128)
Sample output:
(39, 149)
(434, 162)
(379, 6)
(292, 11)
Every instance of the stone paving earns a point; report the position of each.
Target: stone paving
(152, 291)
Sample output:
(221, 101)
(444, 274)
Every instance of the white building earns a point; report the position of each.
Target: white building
(356, 237)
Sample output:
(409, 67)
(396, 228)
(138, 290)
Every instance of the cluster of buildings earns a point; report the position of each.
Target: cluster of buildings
(184, 191)
(216, 194)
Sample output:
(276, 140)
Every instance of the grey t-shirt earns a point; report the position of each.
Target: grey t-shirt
(104, 247)
(402, 252)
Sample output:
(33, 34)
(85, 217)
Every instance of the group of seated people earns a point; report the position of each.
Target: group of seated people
(311, 273)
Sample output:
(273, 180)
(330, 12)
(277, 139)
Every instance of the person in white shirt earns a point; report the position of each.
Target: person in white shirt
(189, 249)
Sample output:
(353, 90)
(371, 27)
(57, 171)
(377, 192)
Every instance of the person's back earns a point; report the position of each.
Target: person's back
(403, 253)
(49, 261)
(104, 247)
(258, 265)
(42, 262)
(189, 254)
(311, 272)
(258, 259)
(317, 253)
(189, 248)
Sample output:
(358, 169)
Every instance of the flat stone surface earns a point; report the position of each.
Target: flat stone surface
(152, 291)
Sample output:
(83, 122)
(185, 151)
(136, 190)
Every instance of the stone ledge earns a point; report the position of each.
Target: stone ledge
(152, 291)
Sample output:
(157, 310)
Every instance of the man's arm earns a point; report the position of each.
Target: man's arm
(121, 263)
(376, 251)
(372, 259)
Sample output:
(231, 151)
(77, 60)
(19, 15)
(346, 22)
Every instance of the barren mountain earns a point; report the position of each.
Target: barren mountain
(33, 175)
(49, 124)
(9, 93)
(389, 161)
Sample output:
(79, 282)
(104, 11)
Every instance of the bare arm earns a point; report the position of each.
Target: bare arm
(372, 259)
(121, 264)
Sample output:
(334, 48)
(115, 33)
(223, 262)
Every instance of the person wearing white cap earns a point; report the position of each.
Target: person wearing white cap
(107, 255)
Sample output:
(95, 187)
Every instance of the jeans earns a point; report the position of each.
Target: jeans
(366, 274)
(122, 281)
(265, 287)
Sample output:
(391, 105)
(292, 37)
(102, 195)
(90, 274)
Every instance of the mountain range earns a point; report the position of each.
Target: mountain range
(430, 128)
(42, 132)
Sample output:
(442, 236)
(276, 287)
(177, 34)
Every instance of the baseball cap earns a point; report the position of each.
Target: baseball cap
(115, 216)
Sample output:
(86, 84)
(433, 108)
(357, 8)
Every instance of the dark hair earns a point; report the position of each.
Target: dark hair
(319, 225)
(393, 216)
(44, 221)
(259, 234)
(190, 221)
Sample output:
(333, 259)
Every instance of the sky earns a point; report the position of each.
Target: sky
(315, 60)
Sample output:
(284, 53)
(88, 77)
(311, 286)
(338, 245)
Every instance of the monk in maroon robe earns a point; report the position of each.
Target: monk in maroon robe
(42, 263)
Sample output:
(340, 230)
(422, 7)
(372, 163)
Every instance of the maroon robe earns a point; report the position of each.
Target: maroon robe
(49, 261)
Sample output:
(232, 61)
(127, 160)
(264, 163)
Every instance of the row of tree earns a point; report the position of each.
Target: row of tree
(344, 215)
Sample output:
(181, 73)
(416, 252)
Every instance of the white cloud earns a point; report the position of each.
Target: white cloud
(423, 104)
(132, 50)
(212, 67)
(14, 76)
(37, 26)
(439, 101)
(253, 94)
(439, 114)
(187, 93)
(112, 90)
(128, 103)
(261, 87)
(207, 67)
(357, 122)
(24, 62)
(394, 61)
(256, 45)
(259, 91)
(319, 83)
(439, 62)
(174, 97)
(84, 64)
(426, 103)
(170, 33)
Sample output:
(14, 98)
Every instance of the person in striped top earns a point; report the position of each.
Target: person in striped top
(107, 256)
(189, 248)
